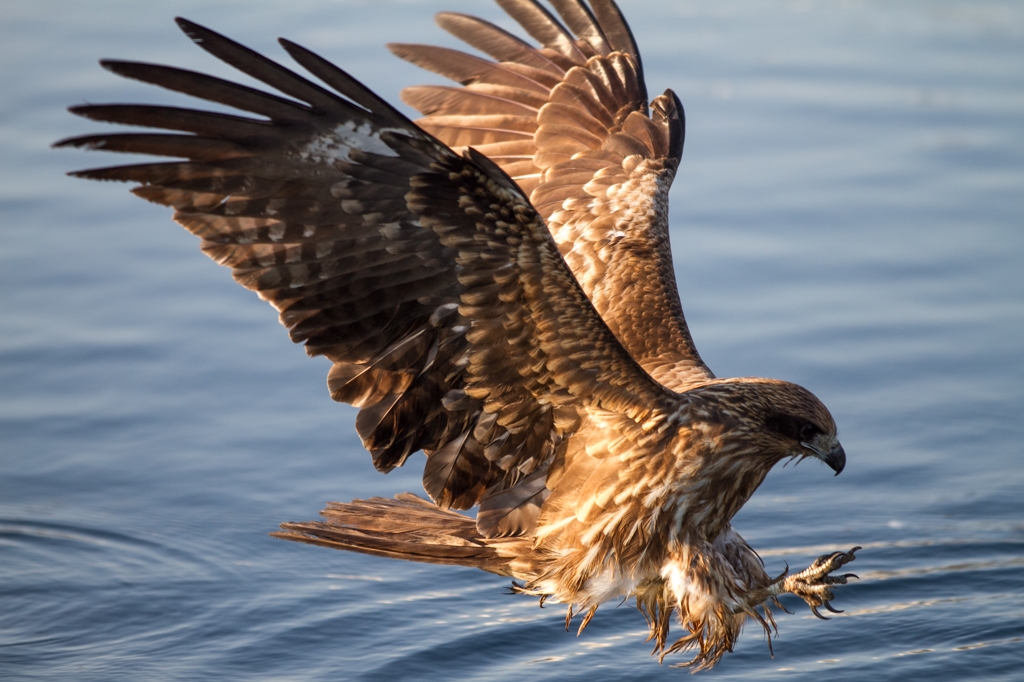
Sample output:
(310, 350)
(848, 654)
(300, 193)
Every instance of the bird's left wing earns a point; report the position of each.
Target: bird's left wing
(425, 276)
(569, 121)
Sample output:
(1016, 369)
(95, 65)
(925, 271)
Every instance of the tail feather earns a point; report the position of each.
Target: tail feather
(408, 528)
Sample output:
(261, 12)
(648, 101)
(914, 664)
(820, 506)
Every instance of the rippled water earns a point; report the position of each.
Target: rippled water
(848, 216)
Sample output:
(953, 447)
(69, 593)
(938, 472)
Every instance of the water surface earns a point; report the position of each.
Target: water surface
(848, 216)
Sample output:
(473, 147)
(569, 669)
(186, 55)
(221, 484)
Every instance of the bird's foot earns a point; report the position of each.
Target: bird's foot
(517, 588)
(814, 584)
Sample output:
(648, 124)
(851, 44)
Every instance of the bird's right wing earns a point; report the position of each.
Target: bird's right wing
(425, 276)
(569, 122)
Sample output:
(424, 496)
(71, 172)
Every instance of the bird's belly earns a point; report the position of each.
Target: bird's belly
(606, 586)
(599, 588)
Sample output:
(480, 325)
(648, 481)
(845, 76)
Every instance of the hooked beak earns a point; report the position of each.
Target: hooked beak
(834, 458)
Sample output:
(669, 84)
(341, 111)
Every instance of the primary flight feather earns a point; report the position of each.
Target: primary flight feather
(494, 286)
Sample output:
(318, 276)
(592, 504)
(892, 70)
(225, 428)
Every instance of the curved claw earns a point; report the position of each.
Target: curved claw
(828, 605)
(850, 575)
(814, 610)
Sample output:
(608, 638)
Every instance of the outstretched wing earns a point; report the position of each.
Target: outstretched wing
(569, 122)
(425, 276)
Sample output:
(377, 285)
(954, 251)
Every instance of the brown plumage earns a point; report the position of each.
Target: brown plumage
(494, 287)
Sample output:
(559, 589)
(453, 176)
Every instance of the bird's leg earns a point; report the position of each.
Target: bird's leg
(813, 584)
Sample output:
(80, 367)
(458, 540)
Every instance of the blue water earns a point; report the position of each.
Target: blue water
(849, 215)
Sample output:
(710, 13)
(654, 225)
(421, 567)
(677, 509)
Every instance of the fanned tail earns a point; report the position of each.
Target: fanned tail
(407, 527)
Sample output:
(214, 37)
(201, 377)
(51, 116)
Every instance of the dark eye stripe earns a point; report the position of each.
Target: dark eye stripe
(792, 426)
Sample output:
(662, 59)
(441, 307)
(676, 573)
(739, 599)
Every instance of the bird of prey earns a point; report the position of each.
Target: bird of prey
(494, 286)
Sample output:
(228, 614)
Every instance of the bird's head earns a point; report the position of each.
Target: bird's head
(779, 420)
(805, 433)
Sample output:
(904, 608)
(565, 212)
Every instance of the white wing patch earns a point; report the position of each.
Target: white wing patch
(336, 145)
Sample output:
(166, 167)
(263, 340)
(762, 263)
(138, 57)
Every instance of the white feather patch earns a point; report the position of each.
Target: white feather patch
(336, 145)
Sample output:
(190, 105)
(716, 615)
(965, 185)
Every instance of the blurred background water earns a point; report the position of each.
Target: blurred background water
(848, 215)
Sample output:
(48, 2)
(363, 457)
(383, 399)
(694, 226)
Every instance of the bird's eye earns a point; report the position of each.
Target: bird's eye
(808, 431)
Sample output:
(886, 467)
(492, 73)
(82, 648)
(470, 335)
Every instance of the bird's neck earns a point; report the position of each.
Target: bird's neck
(709, 505)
